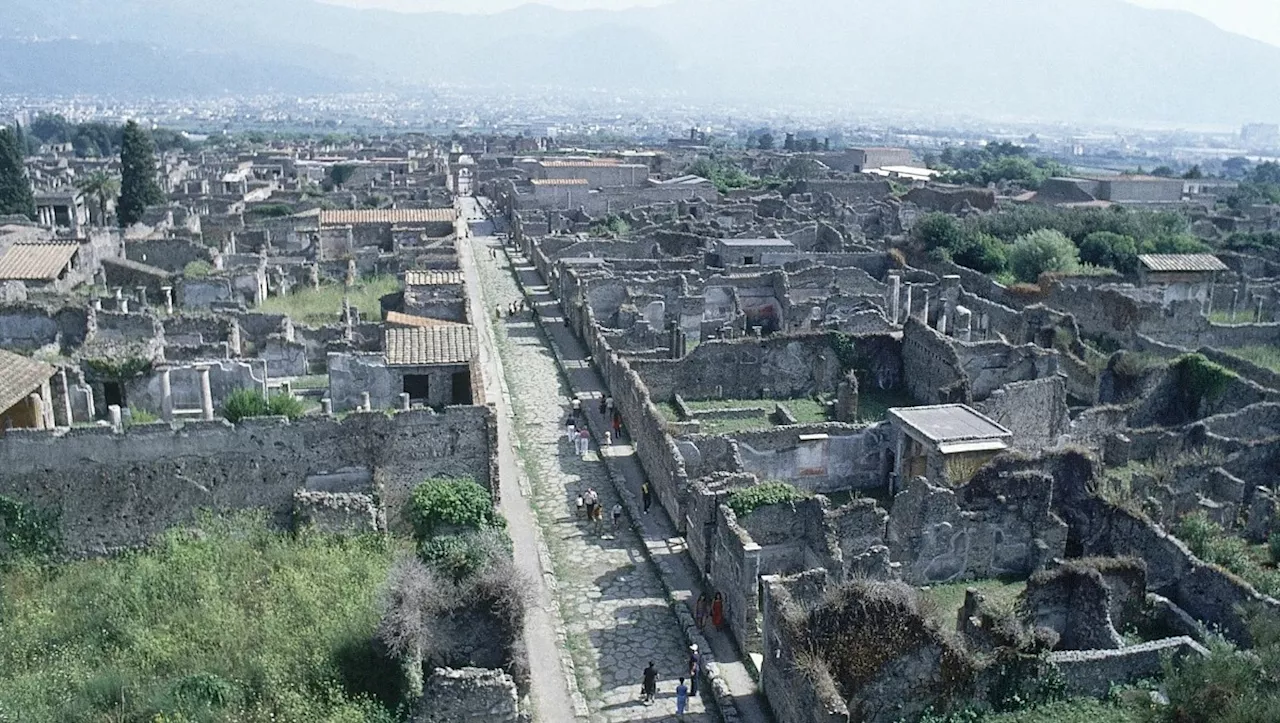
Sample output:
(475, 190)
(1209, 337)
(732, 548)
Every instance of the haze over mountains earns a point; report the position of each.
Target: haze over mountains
(1099, 60)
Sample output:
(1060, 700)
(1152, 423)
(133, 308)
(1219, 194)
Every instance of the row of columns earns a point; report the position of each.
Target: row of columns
(122, 302)
(166, 393)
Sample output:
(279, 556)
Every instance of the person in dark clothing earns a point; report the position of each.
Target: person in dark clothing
(646, 494)
(649, 685)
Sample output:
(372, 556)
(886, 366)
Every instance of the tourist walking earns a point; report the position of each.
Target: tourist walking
(570, 431)
(695, 666)
(582, 507)
(717, 612)
(646, 495)
(649, 684)
(591, 499)
(700, 609)
(608, 439)
(682, 698)
(603, 407)
(597, 522)
(617, 515)
(617, 425)
(584, 442)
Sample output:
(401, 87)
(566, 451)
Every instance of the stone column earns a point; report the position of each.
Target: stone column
(97, 303)
(206, 393)
(366, 405)
(234, 342)
(326, 407)
(924, 313)
(168, 298)
(942, 322)
(313, 276)
(124, 306)
(91, 409)
(895, 301)
(964, 324)
(70, 418)
(351, 273)
(142, 297)
(907, 315)
(117, 425)
(166, 394)
(37, 410)
(404, 401)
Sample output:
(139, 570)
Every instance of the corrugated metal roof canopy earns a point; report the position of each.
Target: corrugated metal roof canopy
(1181, 262)
(36, 261)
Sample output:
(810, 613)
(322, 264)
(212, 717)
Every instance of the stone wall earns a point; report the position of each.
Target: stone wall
(994, 525)
(469, 695)
(931, 368)
(850, 457)
(350, 375)
(28, 326)
(1035, 411)
(785, 367)
(793, 696)
(114, 491)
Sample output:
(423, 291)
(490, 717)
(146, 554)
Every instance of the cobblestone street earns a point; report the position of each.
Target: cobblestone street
(613, 604)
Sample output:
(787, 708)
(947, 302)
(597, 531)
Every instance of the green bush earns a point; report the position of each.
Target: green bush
(25, 533)
(459, 557)
(1273, 547)
(197, 269)
(447, 505)
(248, 403)
(1043, 251)
(141, 416)
(1200, 379)
(1103, 248)
(745, 501)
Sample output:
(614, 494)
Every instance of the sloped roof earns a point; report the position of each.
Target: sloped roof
(20, 376)
(36, 261)
(395, 318)
(558, 181)
(387, 215)
(1181, 262)
(432, 278)
(417, 346)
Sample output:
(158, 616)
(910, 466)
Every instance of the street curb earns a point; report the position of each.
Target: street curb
(722, 695)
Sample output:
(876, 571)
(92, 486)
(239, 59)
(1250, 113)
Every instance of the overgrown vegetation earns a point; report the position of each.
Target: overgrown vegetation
(612, 226)
(322, 306)
(447, 506)
(1267, 357)
(1105, 238)
(197, 269)
(997, 163)
(725, 174)
(748, 499)
(1200, 380)
(125, 367)
(26, 533)
(248, 403)
(1208, 541)
(238, 623)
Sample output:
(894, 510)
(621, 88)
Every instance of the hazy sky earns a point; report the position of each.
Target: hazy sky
(1255, 18)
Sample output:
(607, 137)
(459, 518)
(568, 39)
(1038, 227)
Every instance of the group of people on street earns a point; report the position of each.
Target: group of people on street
(590, 509)
(692, 673)
(515, 307)
(714, 609)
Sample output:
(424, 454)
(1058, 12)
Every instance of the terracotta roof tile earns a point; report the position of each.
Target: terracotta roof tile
(36, 261)
(387, 215)
(432, 278)
(20, 376)
(1182, 262)
(418, 346)
(396, 318)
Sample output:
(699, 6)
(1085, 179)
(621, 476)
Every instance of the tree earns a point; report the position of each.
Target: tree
(765, 141)
(16, 197)
(1103, 248)
(1163, 172)
(103, 188)
(138, 186)
(1043, 251)
(340, 174)
(1194, 174)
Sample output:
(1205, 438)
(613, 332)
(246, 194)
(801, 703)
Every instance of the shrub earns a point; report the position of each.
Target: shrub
(459, 557)
(443, 505)
(1042, 251)
(745, 501)
(1103, 248)
(141, 416)
(1273, 547)
(1200, 379)
(981, 252)
(247, 403)
(939, 231)
(197, 269)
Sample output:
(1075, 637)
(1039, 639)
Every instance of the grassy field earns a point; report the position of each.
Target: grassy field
(239, 623)
(318, 307)
(874, 405)
(949, 597)
(1067, 711)
(1267, 357)
(806, 411)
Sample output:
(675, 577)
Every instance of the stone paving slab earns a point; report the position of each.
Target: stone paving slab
(614, 605)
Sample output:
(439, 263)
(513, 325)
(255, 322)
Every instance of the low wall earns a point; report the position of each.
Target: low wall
(114, 491)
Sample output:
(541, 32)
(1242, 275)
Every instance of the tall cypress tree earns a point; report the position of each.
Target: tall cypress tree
(138, 185)
(16, 197)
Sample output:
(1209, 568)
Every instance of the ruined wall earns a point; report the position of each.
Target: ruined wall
(113, 491)
(992, 364)
(1035, 411)
(994, 525)
(786, 367)
(793, 696)
(170, 254)
(26, 326)
(931, 368)
(851, 457)
(469, 695)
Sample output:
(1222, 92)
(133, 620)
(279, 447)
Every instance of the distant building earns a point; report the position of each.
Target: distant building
(752, 251)
(1260, 136)
(864, 159)
(1124, 190)
(943, 442)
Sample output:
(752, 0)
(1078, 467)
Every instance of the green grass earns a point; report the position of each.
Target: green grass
(258, 624)
(948, 598)
(874, 405)
(1267, 357)
(1081, 710)
(318, 307)
(312, 381)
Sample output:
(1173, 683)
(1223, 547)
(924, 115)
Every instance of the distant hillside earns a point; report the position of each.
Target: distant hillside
(1082, 60)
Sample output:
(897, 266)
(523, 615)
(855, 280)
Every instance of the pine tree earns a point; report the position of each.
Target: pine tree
(138, 186)
(16, 197)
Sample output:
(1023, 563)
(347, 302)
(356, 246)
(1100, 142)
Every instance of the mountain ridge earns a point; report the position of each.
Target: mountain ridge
(1098, 60)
